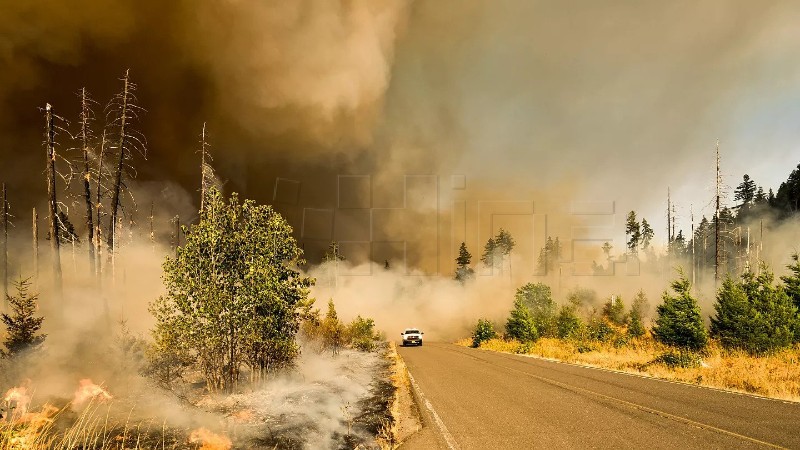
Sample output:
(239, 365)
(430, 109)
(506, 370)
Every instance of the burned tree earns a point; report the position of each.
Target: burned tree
(52, 200)
(4, 225)
(125, 112)
(85, 138)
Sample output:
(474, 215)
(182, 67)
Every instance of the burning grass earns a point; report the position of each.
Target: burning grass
(774, 376)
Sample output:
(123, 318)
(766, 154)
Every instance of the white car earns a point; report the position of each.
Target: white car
(412, 336)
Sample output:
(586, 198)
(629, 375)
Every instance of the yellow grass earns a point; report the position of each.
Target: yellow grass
(775, 376)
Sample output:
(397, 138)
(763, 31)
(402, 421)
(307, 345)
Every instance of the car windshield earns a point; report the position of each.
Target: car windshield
(412, 331)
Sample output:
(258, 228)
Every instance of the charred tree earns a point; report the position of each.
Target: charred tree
(717, 254)
(4, 249)
(35, 231)
(85, 138)
(128, 141)
(52, 200)
(98, 203)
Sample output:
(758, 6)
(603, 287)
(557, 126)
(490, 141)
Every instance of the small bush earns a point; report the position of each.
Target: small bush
(484, 331)
(568, 324)
(679, 323)
(362, 335)
(678, 359)
(524, 348)
(600, 330)
(521, 324)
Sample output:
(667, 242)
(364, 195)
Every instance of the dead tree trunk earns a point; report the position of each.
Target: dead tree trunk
(122, 148)
(4, 267)
(98, 204)
(35, 230)
(85, 136)
(52, 201)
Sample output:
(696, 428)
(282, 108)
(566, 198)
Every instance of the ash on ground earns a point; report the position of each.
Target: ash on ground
(328, 402)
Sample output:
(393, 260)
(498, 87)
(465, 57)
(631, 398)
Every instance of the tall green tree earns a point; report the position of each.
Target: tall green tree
(787, 199)
(678, 322)
(234, 293)
(538, 298)
(633, 232)
(490, 254)
(463, 270)
(549, 255)
(745, 192)
(647, 234)
(22, 325)
(792, 281)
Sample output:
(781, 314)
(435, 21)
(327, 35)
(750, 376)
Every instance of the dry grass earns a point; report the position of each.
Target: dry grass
(775, 376)
(405, 420)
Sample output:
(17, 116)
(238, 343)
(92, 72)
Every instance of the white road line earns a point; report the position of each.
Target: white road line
(451, 443)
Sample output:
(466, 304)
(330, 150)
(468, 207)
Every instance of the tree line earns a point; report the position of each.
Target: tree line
(752, 313)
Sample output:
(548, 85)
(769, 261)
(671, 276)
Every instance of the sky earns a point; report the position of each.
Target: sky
(543, 101)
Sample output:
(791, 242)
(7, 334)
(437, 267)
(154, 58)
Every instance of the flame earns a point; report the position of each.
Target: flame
(209, 440)
(29, 428)
(20, 399)
(89, 391)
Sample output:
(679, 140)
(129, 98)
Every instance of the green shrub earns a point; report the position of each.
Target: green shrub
(674, 359)
(539, 301)
(362, 335)
(568, 324)
(483, 332)
(599, 330)
(754, 315)
(614, 311)
(520, 325)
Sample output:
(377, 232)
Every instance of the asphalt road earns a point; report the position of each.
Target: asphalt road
(476, 399)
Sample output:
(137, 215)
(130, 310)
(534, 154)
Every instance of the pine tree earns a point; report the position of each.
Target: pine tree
(568, 324)
(745, 191)
(647, 234)
(549, 255)
(332, 329)
(633, 232)
(463, 270)
(490, 253)
(520, 324)
(754, 314)
(614, 311)
(22, 325)
(679, 322)
(791, 282)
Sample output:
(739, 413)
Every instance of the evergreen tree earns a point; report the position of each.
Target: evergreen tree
(791, 282)
(568, 324)
(678, 322)
(505, 242)
(22, 325)
(647, 234)
(633, 232)
(787, 198)
(463, 270)
(760, 197)
(614, 311)
(332, 329)
(745, 191)
(490, 254)
(539, 301)
(754, 314)
(520, 324)
(549, 255)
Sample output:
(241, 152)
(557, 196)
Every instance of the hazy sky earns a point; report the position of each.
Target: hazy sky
(581, 100)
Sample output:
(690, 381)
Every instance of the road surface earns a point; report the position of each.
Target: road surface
(477, 399)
